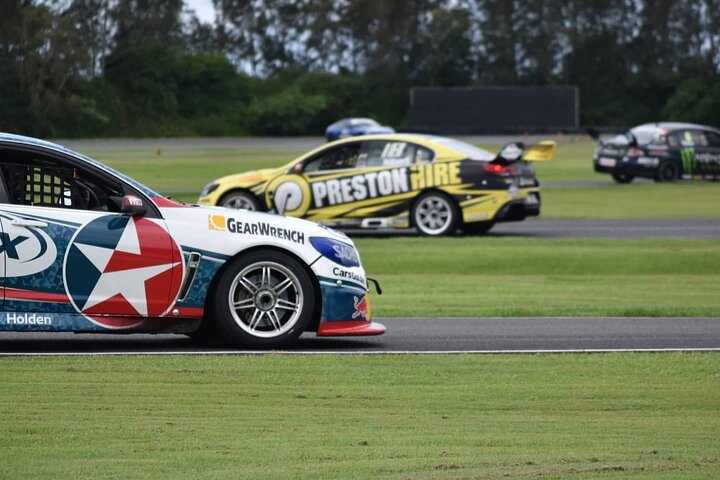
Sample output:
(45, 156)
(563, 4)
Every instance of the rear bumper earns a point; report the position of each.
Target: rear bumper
(517, 210)
(350, 329)
(627, 167)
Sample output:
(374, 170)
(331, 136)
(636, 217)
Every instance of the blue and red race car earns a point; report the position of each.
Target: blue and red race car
(83, 248)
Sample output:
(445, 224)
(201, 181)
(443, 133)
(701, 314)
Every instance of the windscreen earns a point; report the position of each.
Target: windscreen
(472, 152)
(646, 135)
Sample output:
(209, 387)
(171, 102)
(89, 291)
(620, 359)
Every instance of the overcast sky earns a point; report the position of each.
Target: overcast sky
(203, 9)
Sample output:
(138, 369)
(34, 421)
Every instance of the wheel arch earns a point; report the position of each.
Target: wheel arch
(260, 201)
(317, 296)
(671, 161)
(422, 192)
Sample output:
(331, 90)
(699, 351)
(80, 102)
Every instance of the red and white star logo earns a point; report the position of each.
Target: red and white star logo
(136, 275)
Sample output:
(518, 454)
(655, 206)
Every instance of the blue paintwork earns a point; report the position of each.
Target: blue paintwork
(338, 302)
(344, 128)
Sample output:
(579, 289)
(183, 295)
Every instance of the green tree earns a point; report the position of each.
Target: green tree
(40, 57)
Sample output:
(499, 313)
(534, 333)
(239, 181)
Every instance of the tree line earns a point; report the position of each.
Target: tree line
(150, 67)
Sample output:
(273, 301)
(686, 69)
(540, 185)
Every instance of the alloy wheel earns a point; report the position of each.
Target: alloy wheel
(265, 299)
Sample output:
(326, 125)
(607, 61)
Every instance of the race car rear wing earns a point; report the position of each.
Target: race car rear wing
(624, 137)
(539, 152)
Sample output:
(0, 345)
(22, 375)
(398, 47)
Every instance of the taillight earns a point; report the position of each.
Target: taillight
(498, 169)
(635, 152)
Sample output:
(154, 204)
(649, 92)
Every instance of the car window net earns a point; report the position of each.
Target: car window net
(41, 185)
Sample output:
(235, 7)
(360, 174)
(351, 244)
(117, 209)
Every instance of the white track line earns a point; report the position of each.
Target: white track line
(374, 352)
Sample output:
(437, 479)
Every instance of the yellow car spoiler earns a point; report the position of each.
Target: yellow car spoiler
(541, 152)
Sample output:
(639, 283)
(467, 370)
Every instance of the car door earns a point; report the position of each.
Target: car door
(683, 142)
(67, 249)
(373, 175)
(295, 194)
(353, 180)
(707, 152)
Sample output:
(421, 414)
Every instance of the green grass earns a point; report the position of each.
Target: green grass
(182, 172)
(508, 276)
(650, 200)
(188, 169)
(552, 416)
(476, 276)
(192, 167)
(607, 416)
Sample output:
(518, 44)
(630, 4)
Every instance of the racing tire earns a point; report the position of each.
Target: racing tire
(263, 300)
(621, 177)
(667, 172)
(435, 214)
(238, 199)
(477, 228)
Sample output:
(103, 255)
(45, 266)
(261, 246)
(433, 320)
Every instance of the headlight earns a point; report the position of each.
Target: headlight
(338, 252)
(209, 188)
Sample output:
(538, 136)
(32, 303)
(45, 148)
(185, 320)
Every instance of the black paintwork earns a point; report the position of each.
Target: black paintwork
(663, 151)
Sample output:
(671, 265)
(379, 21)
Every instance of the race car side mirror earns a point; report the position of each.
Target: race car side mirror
(132, 206)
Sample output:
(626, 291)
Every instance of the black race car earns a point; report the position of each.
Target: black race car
(664, 152)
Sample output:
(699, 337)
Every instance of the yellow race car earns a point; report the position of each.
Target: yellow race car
(435, 184)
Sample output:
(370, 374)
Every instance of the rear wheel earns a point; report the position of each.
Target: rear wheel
(667, 172)
(620, 177)
(239, 199)
(263, 300)
(435, 214)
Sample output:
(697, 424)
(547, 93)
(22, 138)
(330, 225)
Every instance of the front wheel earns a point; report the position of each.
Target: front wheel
(620, 177)
(238, 199)
(667, 172)
(435, 214)
(263, 300)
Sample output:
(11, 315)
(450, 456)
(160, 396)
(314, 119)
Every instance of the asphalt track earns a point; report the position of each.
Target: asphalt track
(438, 335)
(708, 229)
(420, 335)
(635, 229)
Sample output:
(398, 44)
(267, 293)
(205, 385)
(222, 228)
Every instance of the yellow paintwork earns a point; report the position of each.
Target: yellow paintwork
(442, 174)
(541, 152)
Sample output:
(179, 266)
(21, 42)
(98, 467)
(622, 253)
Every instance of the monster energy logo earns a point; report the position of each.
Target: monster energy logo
(688, 159)
(706, 162)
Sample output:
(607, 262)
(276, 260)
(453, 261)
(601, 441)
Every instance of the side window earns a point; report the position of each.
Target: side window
(681, 138)
(36, 180)
(341, 157)
(388, 153)
(713, 139)
(700, 138)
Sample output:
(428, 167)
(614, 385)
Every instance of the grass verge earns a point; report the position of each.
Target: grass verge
(484, 276)
(182, 172)
(554, 416)
(169, 169)
(698, 199)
